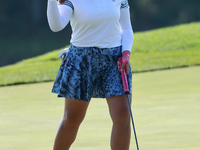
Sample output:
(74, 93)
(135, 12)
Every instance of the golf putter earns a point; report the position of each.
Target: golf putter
(126, 90)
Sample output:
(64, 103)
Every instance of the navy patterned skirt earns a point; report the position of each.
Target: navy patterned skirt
(90, 72)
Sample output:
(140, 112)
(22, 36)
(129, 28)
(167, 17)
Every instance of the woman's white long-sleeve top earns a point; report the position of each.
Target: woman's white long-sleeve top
(94, 23)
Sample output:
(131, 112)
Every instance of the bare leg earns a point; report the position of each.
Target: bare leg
(121, 131)
(74, 114)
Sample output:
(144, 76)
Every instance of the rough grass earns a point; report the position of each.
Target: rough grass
(164, 48)
(165, 109)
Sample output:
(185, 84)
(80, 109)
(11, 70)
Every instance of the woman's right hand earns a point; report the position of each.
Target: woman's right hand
(60, 1)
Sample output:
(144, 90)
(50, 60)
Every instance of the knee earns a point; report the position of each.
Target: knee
(72, 119)
(121, 116)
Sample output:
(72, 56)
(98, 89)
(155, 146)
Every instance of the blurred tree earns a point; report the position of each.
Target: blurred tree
(36, 11)
(150, 14)
(23, 16)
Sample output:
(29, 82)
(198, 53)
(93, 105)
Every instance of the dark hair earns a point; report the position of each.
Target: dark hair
(60, 1)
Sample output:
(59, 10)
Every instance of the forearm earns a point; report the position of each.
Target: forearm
(58, 16)
(127, 40)
(126, 31)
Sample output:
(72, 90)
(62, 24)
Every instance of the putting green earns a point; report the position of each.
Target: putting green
(166, 110)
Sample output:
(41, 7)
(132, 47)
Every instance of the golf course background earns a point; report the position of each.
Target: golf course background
(165, 110)
(166, 97)
(164, 48)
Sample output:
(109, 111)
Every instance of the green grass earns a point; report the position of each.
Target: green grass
(164, 48)
(166, 109)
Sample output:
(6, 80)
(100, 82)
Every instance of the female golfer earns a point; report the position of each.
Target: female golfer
(101, 32)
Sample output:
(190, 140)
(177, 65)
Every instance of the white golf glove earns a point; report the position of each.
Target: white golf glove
(63, 53)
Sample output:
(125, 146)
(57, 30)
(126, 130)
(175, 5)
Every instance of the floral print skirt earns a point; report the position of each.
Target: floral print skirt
(90, 72)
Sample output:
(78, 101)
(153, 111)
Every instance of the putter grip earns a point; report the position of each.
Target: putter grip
(124, 78)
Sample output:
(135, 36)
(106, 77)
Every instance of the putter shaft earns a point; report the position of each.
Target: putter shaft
(126, 90)
(129, 104)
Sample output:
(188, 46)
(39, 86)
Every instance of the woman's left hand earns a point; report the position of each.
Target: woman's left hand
(125, 62)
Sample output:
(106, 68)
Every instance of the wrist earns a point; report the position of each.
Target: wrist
(127, 51)
(126, 54)
(125, 57)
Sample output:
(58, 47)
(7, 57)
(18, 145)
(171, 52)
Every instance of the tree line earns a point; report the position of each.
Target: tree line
(26, 17)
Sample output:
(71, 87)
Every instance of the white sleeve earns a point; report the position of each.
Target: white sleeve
(126, 30)
(58, 16)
